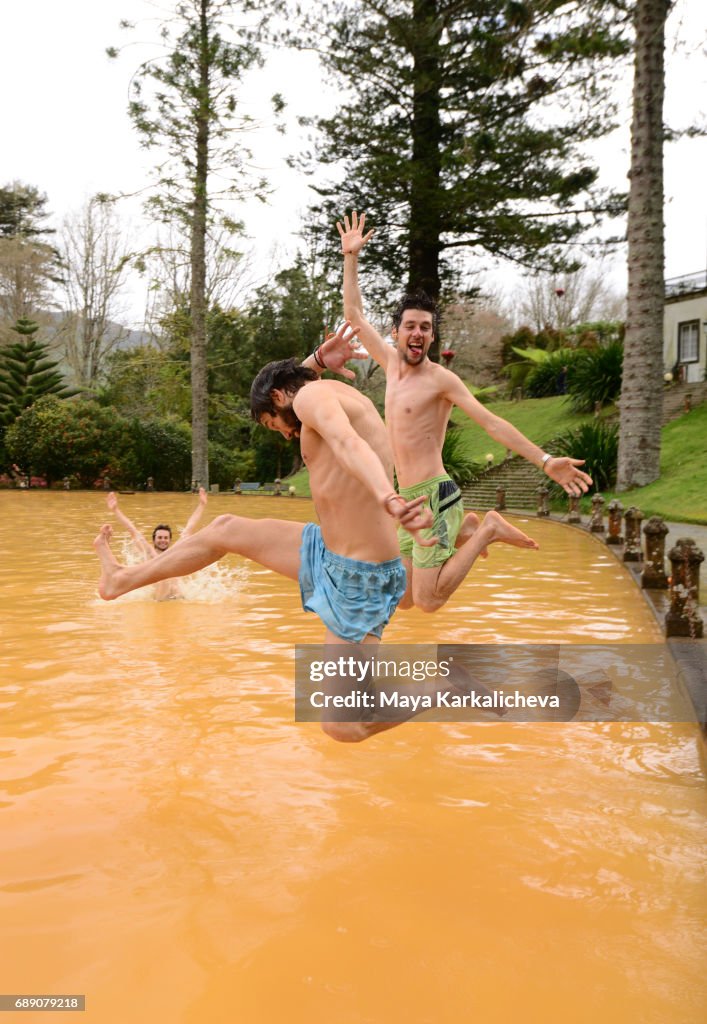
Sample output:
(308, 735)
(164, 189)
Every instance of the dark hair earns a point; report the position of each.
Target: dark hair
(284, 375)
(417, 300)
(162, 526)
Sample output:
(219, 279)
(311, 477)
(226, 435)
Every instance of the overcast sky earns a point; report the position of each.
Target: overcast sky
(66, 129)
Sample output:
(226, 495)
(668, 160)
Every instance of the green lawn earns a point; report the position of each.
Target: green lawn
(680, 493)
(540, 419)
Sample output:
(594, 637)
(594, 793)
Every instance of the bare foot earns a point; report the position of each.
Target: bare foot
(498, 529)
(470, 525)
(108, 585)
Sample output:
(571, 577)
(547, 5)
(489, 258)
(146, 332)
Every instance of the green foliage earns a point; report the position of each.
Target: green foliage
(445, 110)
(226, 466)
(22, 210)
(458, 457)
(596, 377)
(598, 444)
(54, 438)
(162, 450)
(27, 373)
(545, 378)
(147, 380)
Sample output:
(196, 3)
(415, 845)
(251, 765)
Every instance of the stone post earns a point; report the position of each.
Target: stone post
(574, 516)
(653, 576)
(683, 617)
(543, 509)
(632, 551)
(616, 511)
(237, 487)
(106, 483)
(277, 493)
(500, 498)
(596, 523)
(150, 485)
(67, 483)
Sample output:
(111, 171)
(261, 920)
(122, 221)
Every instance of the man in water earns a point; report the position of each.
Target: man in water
(167, 589)
(419, 399)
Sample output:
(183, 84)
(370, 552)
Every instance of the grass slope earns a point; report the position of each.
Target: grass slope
(680, 493)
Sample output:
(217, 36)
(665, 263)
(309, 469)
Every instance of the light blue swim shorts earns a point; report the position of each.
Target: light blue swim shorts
(351, 598)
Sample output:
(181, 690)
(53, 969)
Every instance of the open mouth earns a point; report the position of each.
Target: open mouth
(415, 349)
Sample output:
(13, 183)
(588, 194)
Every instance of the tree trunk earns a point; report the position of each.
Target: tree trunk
(641, 393)
(199, 371)
(425, 188)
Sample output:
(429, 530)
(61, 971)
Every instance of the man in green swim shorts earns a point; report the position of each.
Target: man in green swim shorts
(420, 396)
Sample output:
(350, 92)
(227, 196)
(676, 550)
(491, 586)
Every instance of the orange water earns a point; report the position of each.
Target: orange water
(178, 849)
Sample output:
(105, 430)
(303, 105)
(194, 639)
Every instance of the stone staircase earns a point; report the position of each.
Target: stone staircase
(520, 478)
(674, 399)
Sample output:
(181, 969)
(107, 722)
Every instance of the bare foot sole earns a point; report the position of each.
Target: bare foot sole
(110, 567)
(501, 530)
(470, 525)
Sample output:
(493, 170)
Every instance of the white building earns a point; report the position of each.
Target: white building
(685, 327)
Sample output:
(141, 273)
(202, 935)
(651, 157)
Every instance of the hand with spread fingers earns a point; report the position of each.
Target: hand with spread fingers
(411, 516)
(351, 233)
(564, 472)
(338, 348)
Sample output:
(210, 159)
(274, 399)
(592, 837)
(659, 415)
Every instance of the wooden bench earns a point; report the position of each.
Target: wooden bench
(245, 487)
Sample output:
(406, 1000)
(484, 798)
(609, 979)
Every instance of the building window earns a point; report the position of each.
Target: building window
(689, 341)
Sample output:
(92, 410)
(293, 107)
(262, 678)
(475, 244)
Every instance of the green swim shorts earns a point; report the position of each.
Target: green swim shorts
(446, 503)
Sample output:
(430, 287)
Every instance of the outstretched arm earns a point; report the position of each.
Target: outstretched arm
(352, 241)
(564, 471)
(195, 518)
(325, 415)
(140, 540)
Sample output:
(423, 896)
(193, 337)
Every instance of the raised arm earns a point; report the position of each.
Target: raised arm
(335, 351)
(563, 471)
(352, 241)
(195, 518)
(140, 540)
(325, 414)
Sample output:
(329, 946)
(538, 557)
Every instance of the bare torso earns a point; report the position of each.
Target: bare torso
(353, 523)
(416, 414)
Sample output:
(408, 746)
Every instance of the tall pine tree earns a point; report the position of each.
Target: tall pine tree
(461, 128)
(184, 104)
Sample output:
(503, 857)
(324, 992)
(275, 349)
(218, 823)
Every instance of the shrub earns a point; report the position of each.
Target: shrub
(596, 377)
(457, 457)
(598, 444)
(545, 378)
(69, 437)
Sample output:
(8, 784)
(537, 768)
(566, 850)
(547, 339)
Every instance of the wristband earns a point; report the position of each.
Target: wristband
(544, 461)
(317, 358)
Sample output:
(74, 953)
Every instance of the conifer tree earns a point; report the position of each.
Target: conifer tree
(461, 128)
(184, 105)
(27, 373)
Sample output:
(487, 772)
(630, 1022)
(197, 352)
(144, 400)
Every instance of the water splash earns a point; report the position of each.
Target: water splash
(210, 585)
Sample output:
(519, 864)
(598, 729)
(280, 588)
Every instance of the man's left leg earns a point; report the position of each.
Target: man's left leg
(273, 543)
(432, 588)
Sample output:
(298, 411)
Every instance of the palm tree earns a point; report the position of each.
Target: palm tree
(641, 395)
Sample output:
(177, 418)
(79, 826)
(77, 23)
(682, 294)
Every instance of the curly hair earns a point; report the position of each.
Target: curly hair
(284, 375)
(417, 300)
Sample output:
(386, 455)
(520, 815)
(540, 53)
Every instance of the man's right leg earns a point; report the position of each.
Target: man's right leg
(273, 543)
